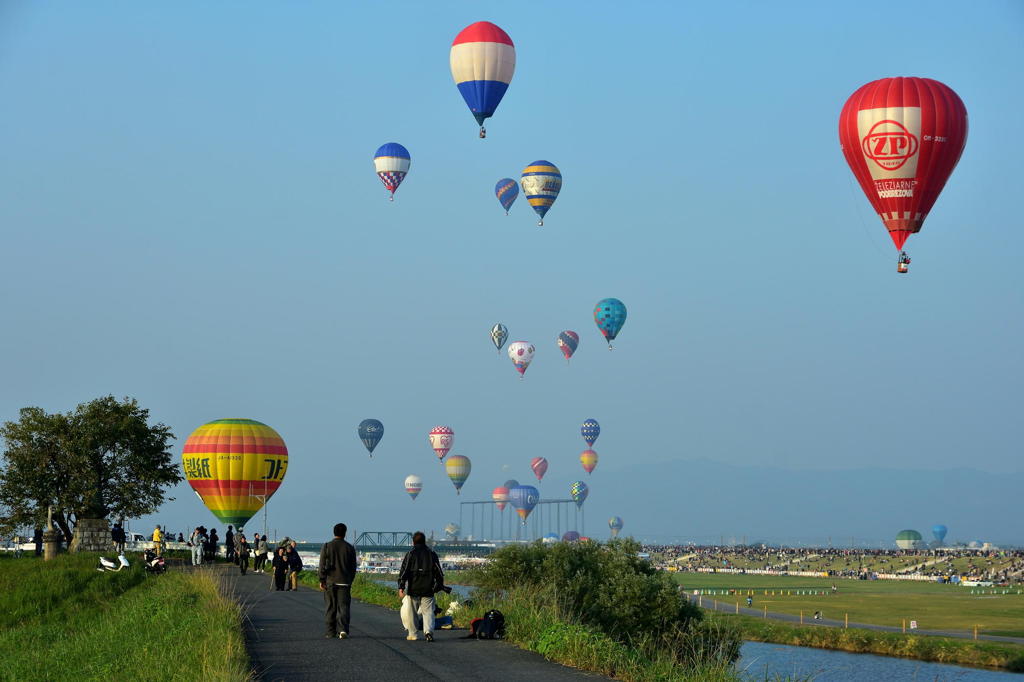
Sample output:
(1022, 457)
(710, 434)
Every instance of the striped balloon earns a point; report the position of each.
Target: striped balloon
(542, 181)
(588, 458)
(506, 190)
(500, 497)
(235, 466)
(458, 468)
(539, 465)
(413, 485)
(568, 341)
(391, 162)
(483, 60)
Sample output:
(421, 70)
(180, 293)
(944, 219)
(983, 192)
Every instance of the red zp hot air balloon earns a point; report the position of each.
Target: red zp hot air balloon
(902, 138)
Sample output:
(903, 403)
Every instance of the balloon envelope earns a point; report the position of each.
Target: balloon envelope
(441, 439)
(370, 432)
(939, 531)
(578, 491)
(499, 335)
(541, 181)
(500, 497)
(483, 60)
(588, 458)
(568, 341)
(539, 466)
(521, 355)
(511, 483)
(610, 315)
(506, 190)
(570, 536)
(902, 138)
(590, 430)
(413, 485)
(235, 465)
(524, 498)
(458, 468)
(615, 524)
(391, 162)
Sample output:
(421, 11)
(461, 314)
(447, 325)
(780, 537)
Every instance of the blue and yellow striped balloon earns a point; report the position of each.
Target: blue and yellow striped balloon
(541, 181)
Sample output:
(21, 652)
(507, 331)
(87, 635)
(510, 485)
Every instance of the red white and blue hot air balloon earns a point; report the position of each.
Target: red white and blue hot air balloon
(391, 162)
(483, 59)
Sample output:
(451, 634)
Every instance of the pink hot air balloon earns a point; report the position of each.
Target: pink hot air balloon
(539, 466)
(441, 439)
(588, 458)
(500, 497)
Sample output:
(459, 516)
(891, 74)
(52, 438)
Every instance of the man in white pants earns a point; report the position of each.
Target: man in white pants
(420, 577)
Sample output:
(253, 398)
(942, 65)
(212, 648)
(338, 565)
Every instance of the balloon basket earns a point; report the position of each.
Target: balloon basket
(391, 198)
(540, 223)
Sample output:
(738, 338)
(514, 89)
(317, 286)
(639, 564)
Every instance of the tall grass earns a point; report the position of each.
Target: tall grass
(87, 625)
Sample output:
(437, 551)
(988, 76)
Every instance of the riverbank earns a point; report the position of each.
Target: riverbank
(63, 619)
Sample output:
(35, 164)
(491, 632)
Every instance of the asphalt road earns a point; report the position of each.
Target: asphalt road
(284, 635)
(725, 606)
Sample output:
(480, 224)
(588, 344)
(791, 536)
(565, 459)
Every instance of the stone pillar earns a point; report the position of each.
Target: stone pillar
(91, 535)
(50, 544)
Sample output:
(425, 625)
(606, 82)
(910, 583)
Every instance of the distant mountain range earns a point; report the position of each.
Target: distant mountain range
(705, 501)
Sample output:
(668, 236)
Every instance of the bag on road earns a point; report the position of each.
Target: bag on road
(491, 626)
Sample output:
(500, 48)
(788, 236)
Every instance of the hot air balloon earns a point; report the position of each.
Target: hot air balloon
(506, 190)
(902, 138)
(610, 315)
(499, 335)
(524, 498)
(413, 485)
(452, 530)
(590, 430)
(441, 439)
(235, 466)
(483, 60)
(541, 181)
(500, 497)
(391, 163)
(458, 468)
(578, 491)
(511, 483)
(550, 538)
(615, 524)
(570, 536)
(539, 466)
(568, 341)
(370, 432)
(939, 531)
(521, 354)
(588, 458)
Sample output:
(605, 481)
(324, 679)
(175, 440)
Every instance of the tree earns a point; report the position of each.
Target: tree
(102, 459)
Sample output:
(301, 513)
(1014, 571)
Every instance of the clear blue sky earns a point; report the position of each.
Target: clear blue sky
(190, 216)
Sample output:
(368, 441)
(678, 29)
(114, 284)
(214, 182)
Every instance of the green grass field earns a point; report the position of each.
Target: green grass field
(876, 602)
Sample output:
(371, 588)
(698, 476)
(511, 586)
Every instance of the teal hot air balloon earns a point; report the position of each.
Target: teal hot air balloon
(610, 315)
(939, 531)
(506, 190)
(578, 491)
(370, 432)
(615, 524)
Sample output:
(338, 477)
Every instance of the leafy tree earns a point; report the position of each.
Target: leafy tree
(102, 459)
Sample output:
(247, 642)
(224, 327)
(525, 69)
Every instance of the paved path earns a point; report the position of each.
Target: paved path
(712, 604)
(284, 636)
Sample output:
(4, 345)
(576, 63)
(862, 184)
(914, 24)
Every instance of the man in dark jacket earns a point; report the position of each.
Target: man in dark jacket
(337, 571)
(229, 545)
(420, 577)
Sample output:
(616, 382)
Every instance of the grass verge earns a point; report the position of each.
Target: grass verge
(920, 647)
(64, 620)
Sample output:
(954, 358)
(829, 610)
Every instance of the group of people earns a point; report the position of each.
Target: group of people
(419, 579)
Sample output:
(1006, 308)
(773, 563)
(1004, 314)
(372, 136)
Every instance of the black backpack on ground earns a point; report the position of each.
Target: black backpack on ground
(492, 626)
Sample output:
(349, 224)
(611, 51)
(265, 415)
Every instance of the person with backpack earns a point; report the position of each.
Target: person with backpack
(418, 580)
(337, 570)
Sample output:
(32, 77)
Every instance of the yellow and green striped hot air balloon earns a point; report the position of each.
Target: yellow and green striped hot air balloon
(235, 465)
(458, 468)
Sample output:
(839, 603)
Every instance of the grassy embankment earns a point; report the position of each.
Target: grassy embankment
(594, 608)
(64, 620)
(934, 606)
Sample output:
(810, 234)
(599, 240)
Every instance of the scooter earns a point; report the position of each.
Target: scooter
(154, 564)
(108, 565)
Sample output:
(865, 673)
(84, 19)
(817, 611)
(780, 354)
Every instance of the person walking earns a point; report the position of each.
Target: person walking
(238, 543)
(419, 578)
(259, 546)
(294, 566)
(280, 566)
(337, 570)
(119, 537)
(229, 545)
(158, 538)
(243, 554)
(198, 543)
(212, 544)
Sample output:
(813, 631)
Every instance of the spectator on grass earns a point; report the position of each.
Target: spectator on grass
(197, 541)
(158, 538)
(117, 534)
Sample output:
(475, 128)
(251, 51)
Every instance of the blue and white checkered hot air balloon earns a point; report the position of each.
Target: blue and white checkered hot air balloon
(506, 190)
(590, 430)
(483, 60)
(392, 164)
(541, 181)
